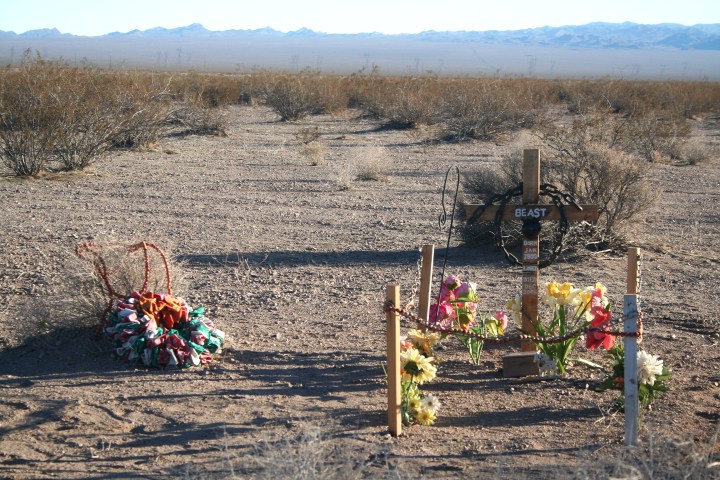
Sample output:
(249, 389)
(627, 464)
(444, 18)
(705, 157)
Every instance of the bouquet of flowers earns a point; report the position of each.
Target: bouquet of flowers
(456, 313)
(418, 366)
(574, 309)
(651, 374)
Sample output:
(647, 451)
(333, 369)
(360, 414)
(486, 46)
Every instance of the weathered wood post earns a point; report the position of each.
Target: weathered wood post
(630, 316)
(426, 272)
(530, 249)
(394, 395)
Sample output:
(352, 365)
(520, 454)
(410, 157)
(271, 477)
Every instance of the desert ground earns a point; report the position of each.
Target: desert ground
(291, 259)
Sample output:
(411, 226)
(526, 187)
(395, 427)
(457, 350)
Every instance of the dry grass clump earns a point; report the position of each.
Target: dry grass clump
(694, 152)
(657, 459)
(315, 152)
(371, 164)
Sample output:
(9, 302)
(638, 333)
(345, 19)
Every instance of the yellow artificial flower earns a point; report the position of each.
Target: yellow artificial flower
(414, 403)
(582, 298)
(559, 294)
(424, 416)
(424, 341)
(416, 367)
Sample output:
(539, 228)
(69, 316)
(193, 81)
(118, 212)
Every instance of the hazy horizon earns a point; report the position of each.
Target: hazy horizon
(92, 18)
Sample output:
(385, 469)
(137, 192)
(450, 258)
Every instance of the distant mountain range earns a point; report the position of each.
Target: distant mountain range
(621, 50)
(591, 35)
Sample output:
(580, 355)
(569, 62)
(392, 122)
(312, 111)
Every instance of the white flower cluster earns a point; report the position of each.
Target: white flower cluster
(648, 367)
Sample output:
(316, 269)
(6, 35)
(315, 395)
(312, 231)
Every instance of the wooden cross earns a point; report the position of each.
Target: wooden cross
(531, 209)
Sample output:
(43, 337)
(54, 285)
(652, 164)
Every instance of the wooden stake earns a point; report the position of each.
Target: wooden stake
(426, 272)
(630, 315)
(392, 294)
(633, 272)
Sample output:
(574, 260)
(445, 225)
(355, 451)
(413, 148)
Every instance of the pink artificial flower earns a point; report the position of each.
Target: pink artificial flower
(599, 315)
(452, 282)
(462, 289)
(440, 312)
(447, 294)
(502, 319)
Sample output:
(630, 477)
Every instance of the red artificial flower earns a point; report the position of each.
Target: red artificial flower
(597, 338)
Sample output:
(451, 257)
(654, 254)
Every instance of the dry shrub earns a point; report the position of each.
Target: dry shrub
(588, 161)
(695, 152)
(485, 109)
(657, 459)
(315, 152)
(310, 455)
(194, 117)
(371, 164)
(72, 116)
(592, 173)
(292, 97)
(210, 90)
(308, 134)
(28, 127)
(642, 133)
(405, 102)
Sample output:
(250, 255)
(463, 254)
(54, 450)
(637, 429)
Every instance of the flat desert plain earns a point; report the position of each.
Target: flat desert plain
(291, 260)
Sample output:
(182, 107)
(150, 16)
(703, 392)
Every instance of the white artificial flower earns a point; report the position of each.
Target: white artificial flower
(648, 367)
(430, 403)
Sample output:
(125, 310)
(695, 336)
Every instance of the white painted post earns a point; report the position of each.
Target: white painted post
(630, 315)
(394, 395)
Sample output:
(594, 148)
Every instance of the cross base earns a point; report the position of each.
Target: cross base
(520, 364)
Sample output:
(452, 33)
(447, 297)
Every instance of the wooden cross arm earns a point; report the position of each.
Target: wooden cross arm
(589, 213)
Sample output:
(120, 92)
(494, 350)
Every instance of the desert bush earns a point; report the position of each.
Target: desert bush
(72, 116)
(308, 134)
(655, 136)
(592, 173)
(694, 152)
(194, 117)
(28, 110)
(315, 152)
(405, 102)
(292, 97)
(484, 110)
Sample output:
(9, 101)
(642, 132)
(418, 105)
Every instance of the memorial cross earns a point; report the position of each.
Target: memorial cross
(531, 211)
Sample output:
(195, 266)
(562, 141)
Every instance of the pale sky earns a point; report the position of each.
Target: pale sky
(98, 17)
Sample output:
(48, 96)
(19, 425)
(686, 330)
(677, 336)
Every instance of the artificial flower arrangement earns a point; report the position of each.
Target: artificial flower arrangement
(456, 312)
(573, 310)
(418, 366)
(651, 375)
(162, 331)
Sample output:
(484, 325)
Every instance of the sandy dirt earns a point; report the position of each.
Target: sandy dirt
(292, 265)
